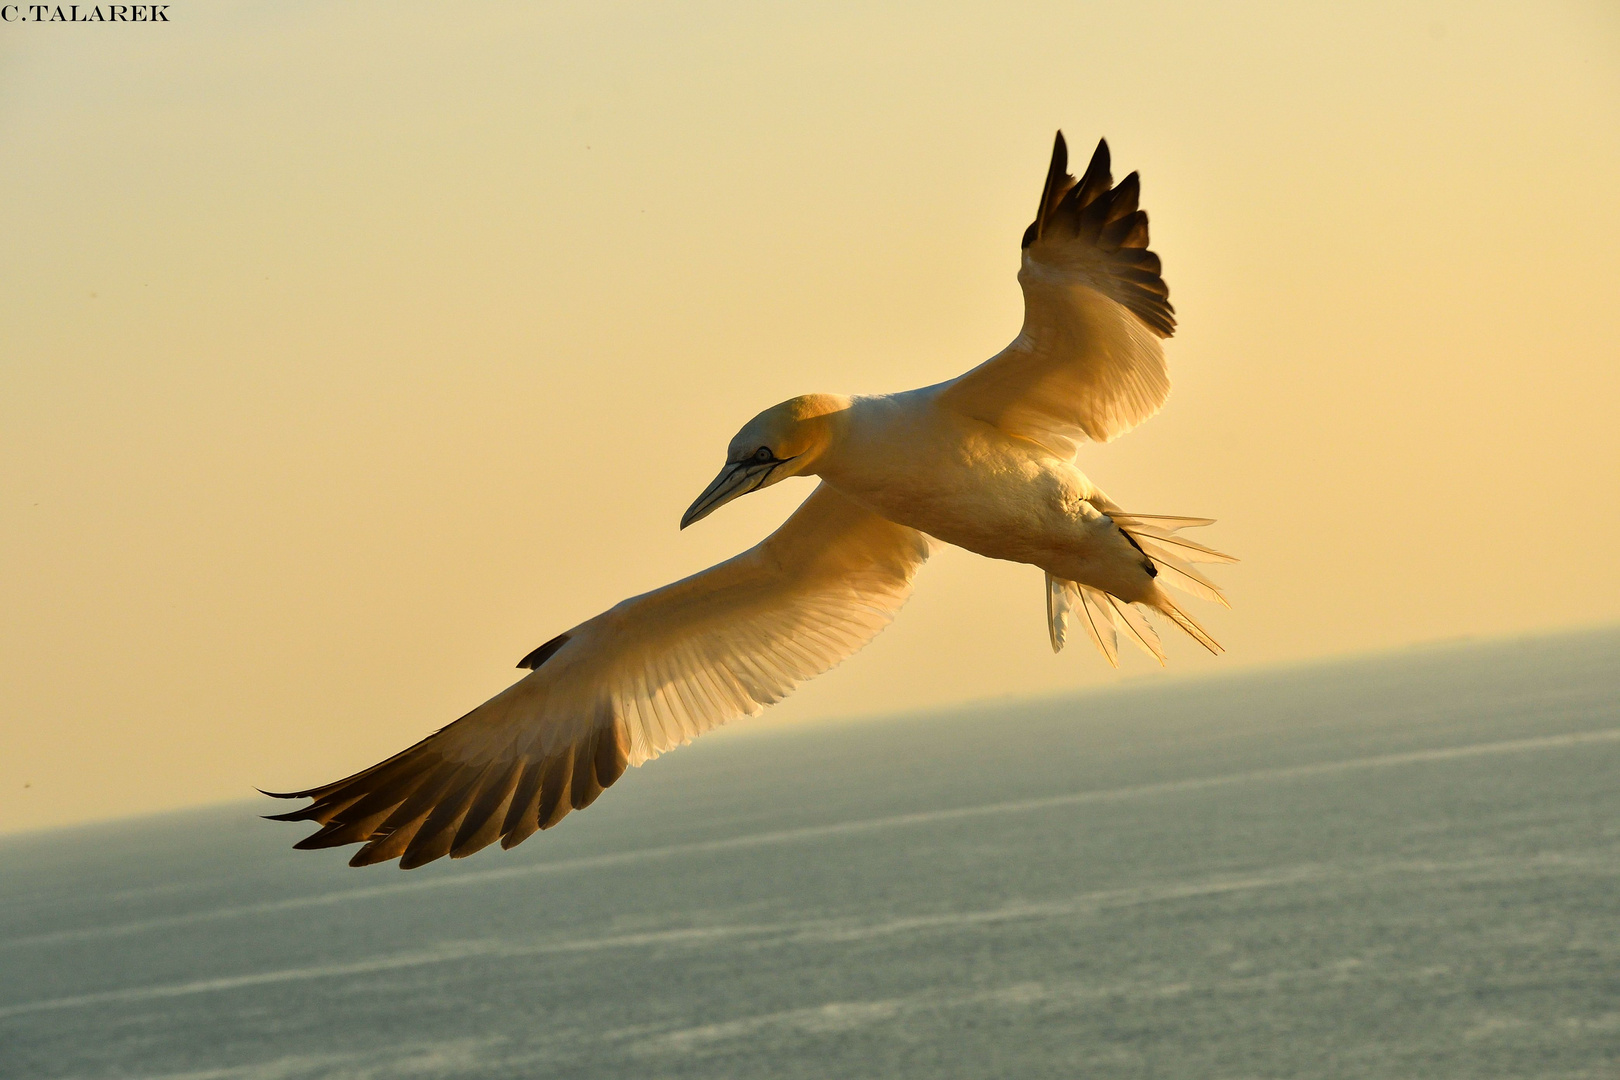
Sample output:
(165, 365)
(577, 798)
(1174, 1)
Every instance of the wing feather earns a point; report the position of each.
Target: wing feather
(1087, 363)
(482, 824)
(522, 815)
(649, 674)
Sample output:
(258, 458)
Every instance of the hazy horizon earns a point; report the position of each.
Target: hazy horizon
(767, 724)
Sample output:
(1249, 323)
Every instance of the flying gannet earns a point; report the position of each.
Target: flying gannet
(984, 461)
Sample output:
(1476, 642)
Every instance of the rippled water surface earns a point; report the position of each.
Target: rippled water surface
(1398, 867)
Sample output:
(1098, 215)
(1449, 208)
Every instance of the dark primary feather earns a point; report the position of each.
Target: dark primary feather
(417, 806)
(1103, 217)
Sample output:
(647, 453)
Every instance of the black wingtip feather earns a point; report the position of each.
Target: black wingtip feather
(1058, 181)
(1092, 211)
(303, 813)
(323, 839)
(1101, 162)
(1060, 157)
(543, 653)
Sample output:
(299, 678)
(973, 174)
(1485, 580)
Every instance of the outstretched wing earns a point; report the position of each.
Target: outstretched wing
(641, 678)
(1087, 364)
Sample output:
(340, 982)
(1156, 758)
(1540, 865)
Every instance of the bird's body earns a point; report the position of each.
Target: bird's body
(914, 460)
(984, 461)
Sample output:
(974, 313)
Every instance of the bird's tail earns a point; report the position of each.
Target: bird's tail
(1162, 603)
(1101, 614)
(1155, 536)
(1104, 615)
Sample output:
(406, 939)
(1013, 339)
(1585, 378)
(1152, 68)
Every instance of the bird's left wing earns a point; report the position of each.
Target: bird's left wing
(641, 678)
(1087, 363)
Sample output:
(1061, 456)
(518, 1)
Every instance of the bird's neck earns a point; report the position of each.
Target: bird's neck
(825, 422)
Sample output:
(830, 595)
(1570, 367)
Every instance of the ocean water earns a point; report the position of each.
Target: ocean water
(1404, 866)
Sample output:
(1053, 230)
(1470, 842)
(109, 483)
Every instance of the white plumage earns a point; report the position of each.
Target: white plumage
(984, 461)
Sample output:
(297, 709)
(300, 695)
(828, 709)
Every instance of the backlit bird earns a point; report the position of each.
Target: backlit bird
(984, 461)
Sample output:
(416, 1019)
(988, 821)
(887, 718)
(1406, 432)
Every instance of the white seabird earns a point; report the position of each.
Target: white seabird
(985, 461)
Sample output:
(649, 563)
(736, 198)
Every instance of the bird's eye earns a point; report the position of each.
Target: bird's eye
(762, 454)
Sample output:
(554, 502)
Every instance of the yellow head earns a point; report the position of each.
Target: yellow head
(784, 440)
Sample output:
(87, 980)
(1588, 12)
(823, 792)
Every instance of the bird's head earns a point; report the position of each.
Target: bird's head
(784, 440)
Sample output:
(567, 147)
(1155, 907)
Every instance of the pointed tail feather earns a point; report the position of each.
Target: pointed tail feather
(1174, 570)
(1173, 555)
(1136, 625)
(1191, 550)
(1098, 619)
(1067, 600)
(1168, 522)
(1173, 611)
(1163, 529)
(1057, 611)
(1104, 615)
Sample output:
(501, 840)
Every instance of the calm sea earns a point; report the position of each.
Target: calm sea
(1405, 866)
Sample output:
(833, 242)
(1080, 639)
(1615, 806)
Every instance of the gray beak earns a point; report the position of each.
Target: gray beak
(737, 478)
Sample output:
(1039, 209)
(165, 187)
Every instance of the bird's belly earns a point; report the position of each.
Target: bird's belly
(1022, 514)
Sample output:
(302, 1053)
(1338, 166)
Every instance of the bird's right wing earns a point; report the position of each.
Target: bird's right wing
(1087, 363)
(641, 678)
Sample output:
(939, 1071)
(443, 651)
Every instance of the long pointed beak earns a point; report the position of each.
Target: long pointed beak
(737, 478)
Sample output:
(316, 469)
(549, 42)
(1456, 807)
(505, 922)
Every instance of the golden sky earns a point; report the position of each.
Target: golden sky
(349, 351)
